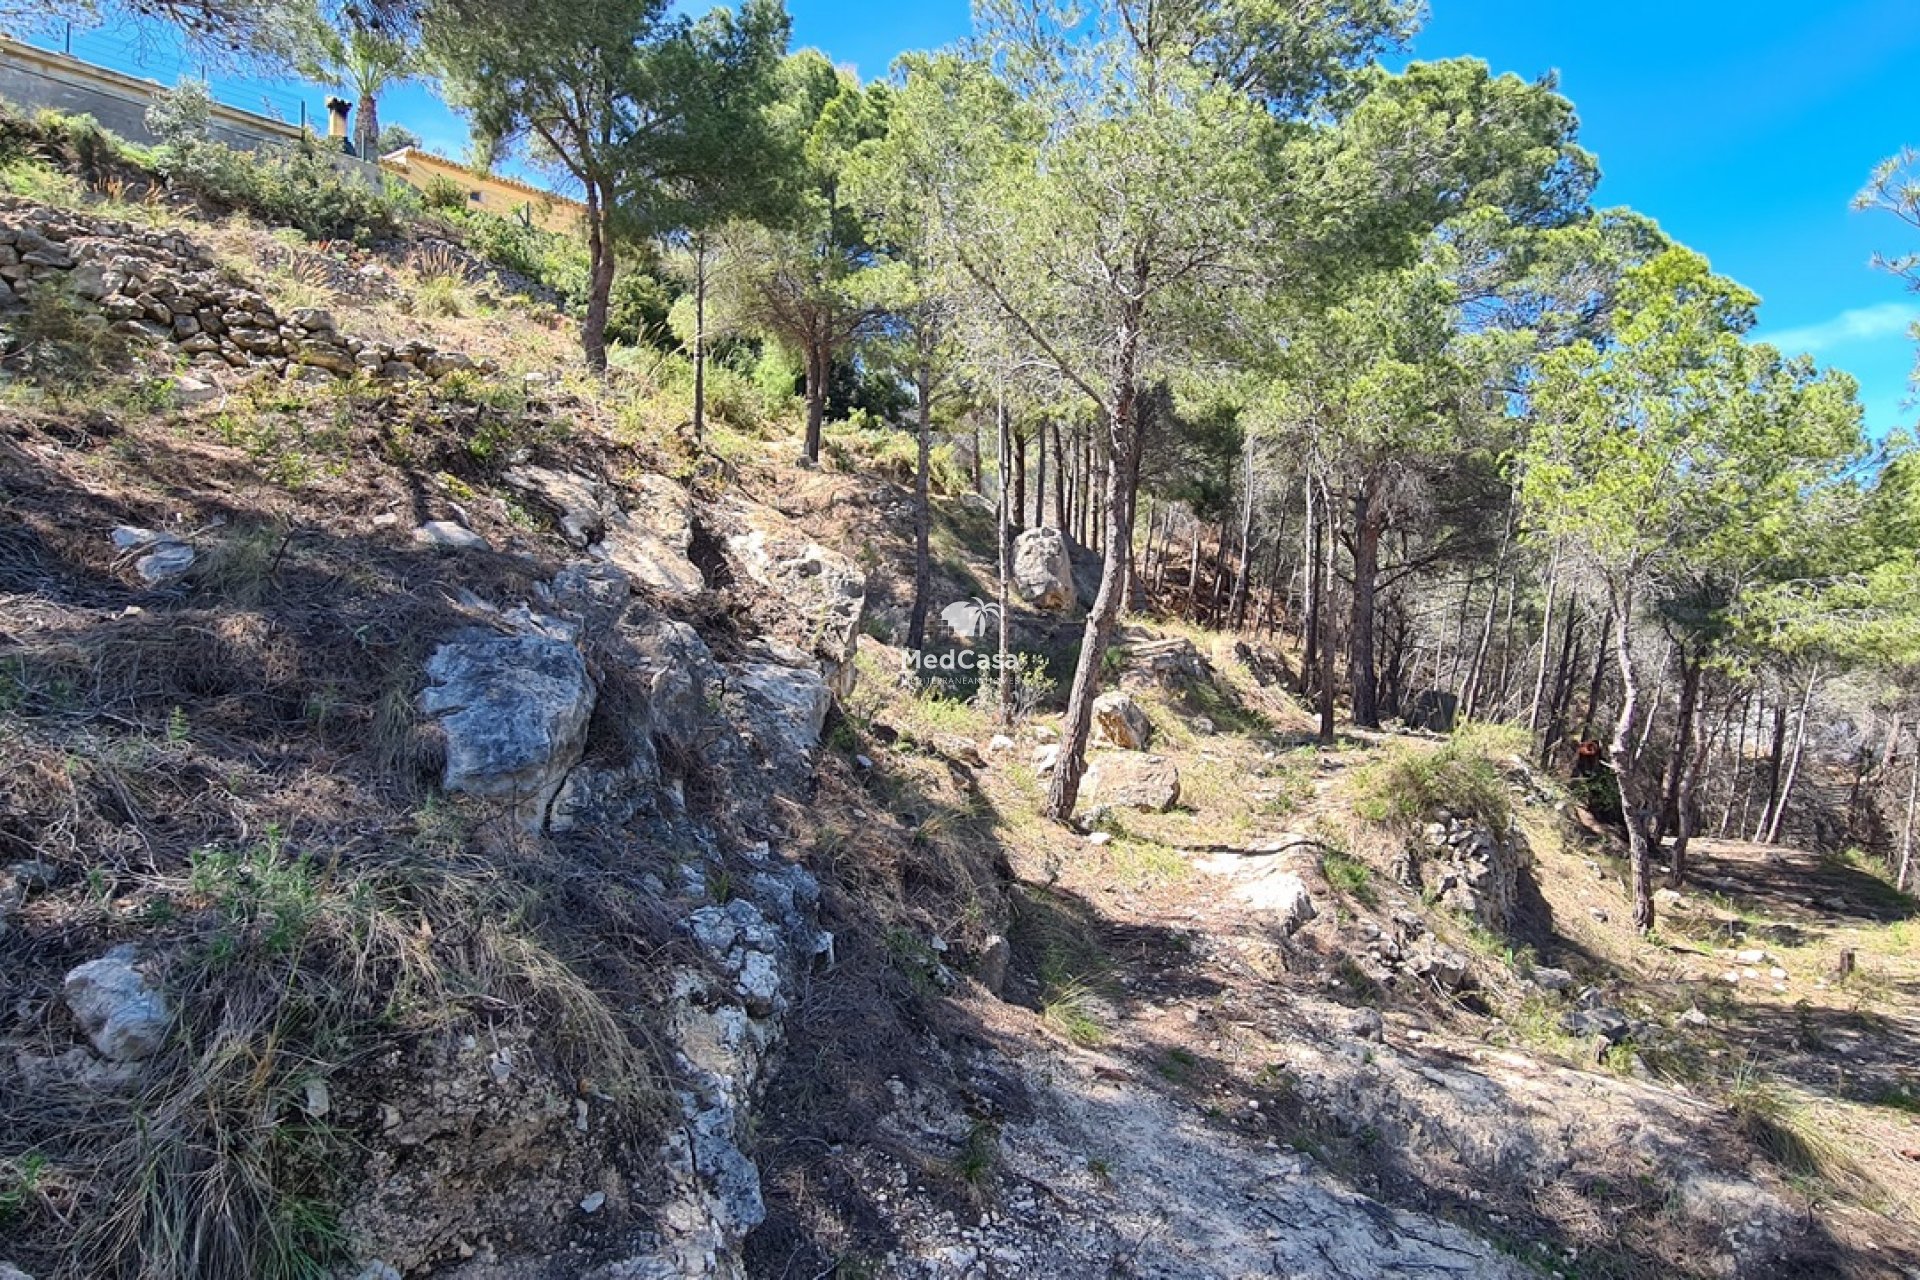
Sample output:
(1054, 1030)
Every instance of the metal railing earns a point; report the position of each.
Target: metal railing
(154, 51)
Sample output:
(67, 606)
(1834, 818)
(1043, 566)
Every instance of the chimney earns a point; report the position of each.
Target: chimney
(337, 109)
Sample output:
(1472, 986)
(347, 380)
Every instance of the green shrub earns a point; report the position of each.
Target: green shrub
(179, 116)
(443, 194)
(1413, 784)
(39, 182)
(1349, 875)
(291, 186)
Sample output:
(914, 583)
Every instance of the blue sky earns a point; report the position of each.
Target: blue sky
(1744, 126)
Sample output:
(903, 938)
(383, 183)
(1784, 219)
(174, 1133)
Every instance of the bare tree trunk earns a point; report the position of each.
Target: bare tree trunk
(1193, 575)
(1123, 475)
(1238, 608)
(1776, 758)
(1683, 819)
(1793, 761)
(1019, 509)
(1737, 779)
(818, 367)
(1659, 695)
(1504, 707)
(1218, 586)
(700, 345)
(1060, 494)
(1270, 610)
(1325, 613)
(1599, 674)
(1904, 876)
(922, 514)
(1310, 639)
(1553, 726)
(1004, 536)
(1040, 477)
(1683, 731)
(1621, 754)
(1470, 695)
(593, 329)
(1367, 528)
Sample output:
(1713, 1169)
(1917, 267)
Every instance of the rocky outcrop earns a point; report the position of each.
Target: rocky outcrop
(160, 286)
(1475, 871)
(1042, 569)
(812, 599)
(1273, 882)
(648, 541)
(1119, 721)
(514, 709)
(1160, 661)
(123, 1014)
(782, 709)
(1131, 780)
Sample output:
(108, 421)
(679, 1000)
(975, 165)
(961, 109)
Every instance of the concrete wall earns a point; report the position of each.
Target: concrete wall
(39, 78)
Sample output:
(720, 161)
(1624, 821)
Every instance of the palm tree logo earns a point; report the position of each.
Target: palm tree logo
(971, 619)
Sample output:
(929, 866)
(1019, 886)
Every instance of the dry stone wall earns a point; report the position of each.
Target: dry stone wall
(159, 286)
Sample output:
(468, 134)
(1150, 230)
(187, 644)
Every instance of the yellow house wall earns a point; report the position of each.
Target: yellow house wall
(549, 213)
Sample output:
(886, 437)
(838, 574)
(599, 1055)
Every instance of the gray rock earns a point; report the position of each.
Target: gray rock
(1270, 883)
(1042, 569)
(649, 559)
(515, 711)
(1609, 1024)
(1446, 967)
(35, 874)
(1133, 780)
(124, 1016)
(456, 537)
(816, 597)
(579, 502)
(1367, 1024)
(783, 709)
(189, 390)
(990, 968)
(1550, 979)
(167, 561)
(1119, 721)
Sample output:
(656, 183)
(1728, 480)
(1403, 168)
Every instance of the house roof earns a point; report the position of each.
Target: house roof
(406, 156)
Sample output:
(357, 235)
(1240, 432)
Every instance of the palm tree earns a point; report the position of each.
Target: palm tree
(355, 57)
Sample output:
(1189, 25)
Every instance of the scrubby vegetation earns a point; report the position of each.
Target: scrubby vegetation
(1477, 579)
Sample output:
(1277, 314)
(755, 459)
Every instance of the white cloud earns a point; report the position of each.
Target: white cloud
(1862, 324)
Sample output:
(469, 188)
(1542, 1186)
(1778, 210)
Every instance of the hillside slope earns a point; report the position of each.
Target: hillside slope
(494, 839)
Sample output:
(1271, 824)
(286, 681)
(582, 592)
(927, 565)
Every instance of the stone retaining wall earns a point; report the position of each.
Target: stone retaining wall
(159, 286)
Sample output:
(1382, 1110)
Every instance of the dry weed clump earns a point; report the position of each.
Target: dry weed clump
(290, 970)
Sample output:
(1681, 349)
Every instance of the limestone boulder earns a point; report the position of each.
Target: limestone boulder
(810, 597)
(1132, 780)
(579, 502)
(124, 1015)
(782, 710)
(1273, 884)
(515, 711)
(1119, 721)
(650, 540)
(1042, 569)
